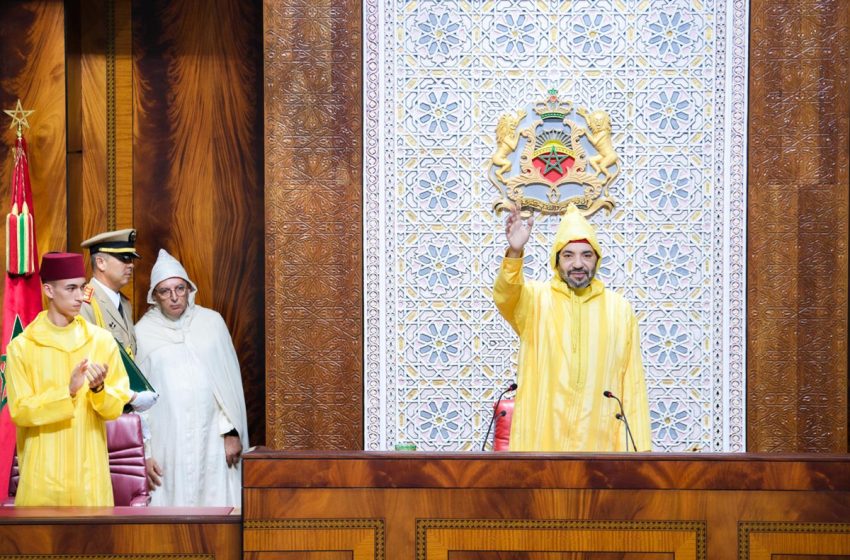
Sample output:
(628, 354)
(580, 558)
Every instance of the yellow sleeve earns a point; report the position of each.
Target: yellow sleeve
(110, 402)
(507, 292)
(26, 407)
(636, 399)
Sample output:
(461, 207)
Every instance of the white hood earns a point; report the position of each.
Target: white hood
(167, 267)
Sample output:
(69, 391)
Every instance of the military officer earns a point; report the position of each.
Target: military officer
(113, 256)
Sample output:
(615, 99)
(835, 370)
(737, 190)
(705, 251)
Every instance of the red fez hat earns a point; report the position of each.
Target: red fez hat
(579, 241)
(62, 266)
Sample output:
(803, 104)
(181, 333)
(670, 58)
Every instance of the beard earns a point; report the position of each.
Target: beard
(578, 284)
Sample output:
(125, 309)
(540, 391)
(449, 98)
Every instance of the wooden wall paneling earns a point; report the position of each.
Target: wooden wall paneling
(314, 318)
(92, 207)
(197, 164)
(74, 108)
(799, 142)
(32, 69)
(119, 116)
(100, 126)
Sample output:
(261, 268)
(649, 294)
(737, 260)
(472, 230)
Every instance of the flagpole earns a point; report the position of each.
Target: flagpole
(22, 295)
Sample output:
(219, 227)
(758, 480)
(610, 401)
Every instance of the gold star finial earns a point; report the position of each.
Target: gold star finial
(19, 117)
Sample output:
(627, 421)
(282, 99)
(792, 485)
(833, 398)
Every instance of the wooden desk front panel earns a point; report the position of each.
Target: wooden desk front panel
(695, 525)
(73, 532)
(517, 521)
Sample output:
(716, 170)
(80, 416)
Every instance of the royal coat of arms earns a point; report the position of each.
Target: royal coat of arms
(546, 160)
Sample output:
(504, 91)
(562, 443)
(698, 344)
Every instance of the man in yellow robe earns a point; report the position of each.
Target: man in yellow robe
(578, 340)
(64, 379)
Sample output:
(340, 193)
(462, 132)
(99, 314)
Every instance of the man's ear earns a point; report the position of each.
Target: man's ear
(47, 288)
(100, 263)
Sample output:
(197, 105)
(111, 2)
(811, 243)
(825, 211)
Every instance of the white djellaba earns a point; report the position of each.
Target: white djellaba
(192, 364)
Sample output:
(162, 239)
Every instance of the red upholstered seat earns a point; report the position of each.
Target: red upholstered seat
(502, 433)
(126, 462)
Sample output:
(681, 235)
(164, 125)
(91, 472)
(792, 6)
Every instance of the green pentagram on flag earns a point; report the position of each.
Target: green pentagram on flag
(17, 329)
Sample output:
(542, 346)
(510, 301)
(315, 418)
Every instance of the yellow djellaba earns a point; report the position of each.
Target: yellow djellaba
(575, 344)
(62, 439)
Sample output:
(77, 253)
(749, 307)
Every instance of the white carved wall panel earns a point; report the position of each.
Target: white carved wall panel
(438, 76)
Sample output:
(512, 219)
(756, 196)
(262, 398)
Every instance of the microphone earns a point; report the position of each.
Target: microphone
(622, 417)
(512, 387)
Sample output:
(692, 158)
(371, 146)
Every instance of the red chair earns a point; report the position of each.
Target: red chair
(502, 433)
(126, 463)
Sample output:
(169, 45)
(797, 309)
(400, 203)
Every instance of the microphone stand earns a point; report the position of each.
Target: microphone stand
(493, 417)
(622, 417)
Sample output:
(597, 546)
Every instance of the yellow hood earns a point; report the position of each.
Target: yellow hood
(573, 227)
(67, 339)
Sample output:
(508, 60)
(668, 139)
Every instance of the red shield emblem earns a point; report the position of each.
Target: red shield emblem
(554, 160)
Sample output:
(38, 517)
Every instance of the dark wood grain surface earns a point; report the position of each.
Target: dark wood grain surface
(198, 160)
(797, 226)
(32, 69)
(658, 471)
(120, 532)
(431, 506)
(314, 280)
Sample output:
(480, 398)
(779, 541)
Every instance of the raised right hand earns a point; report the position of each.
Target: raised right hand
(517, 232)
(78, 376)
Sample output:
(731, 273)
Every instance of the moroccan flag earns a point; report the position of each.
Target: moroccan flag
(22, 298)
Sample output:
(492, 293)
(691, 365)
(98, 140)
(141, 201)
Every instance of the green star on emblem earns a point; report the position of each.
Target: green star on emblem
(554, 161)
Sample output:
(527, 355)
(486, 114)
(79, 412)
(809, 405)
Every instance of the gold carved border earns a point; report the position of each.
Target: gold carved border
(436, 537)
(364, 538)
(119, 114)
(761, 540)
(108, 557)
(110, 114)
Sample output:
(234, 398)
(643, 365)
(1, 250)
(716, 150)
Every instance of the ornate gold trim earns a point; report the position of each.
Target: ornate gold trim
(110, 115)
(133, 556)
(323, 526)
(434, 549)
(747, 530)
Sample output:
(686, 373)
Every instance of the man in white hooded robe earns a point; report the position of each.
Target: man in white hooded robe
(199, 427)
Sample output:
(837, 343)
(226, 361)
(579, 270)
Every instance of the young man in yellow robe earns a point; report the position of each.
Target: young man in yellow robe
(578, 340)
(64, 379)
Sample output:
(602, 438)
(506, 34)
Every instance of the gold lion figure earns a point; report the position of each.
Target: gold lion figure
(600, 138)
(507, 139)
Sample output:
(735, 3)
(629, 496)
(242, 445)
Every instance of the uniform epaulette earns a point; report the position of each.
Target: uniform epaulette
(88, 292)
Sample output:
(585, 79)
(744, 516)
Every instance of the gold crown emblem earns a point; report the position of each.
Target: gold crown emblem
(561, 161)
(552, 107)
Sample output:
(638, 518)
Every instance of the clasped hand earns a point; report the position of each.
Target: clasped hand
(93, 372)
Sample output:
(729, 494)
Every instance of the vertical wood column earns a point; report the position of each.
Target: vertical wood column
(100, 119)
(32, 69)
(313, 193)
(799, 142)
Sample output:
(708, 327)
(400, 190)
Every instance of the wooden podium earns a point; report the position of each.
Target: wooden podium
(499, 506)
